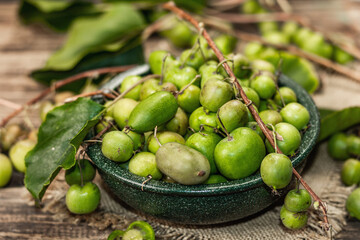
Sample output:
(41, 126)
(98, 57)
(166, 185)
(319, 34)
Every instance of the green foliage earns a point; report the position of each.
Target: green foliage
(128, 55)
(339, 121)
(59, 138)
(58, 15)
(91, 35)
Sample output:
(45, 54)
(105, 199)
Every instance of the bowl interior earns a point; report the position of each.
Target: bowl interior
(309, 138)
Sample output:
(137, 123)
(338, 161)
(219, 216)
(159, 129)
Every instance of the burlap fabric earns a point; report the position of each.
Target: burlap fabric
(322, 173)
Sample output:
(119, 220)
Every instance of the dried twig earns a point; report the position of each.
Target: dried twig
(62, 83)
(172, 7)
(89, 94)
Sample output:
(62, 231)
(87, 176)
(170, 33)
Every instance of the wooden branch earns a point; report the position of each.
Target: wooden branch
(61, 83)
(172, 7)
(89, 94)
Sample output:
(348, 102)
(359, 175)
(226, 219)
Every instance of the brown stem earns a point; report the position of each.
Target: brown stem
(172, 7)
(62, 83)
(89, 94)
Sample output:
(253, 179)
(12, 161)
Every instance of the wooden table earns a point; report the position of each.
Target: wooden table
(23, 49)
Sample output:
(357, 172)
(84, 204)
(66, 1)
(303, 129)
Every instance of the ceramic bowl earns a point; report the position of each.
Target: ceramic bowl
(204, 204)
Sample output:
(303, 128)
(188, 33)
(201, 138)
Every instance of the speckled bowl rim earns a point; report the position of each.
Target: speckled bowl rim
(309, 138)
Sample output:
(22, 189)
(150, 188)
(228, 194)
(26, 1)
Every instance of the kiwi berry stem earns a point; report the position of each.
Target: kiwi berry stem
(163, 68)
(157, 140)
(222, 125)
(268, 134)
(61, 83)
(188, 85)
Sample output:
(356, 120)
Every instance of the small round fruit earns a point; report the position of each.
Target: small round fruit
(73, 175)
(252, 95)
(353, 204)
(18, 152)
(255, 127)
(163, 137)
(215, 179)
(287, 94)
(132, 234)
(192, 59)
(240, 156)
(291, 139)
(270, 117)
(253, 50)
(145, 229)
(83, 200)
(350, 172)
(5, 170)
(290, 28)
(182, 163)
(337, 146)
(122, 110)
(264, 86)
(276, 170)
(144, 164)
(293, 220)
(353, 143)
(104, 123)
(137, 138)
(276, 37)
(156, 60)
(9, 136)
(262, 65)
(201, 118)
(181, 76)
(62, 96)
(232, 114)
(341, 56)
(127, 83)
(215, 93)
(225, 43)
(205, 143)
(295, 114)
(297, 200)
(179, 123)
(189, 99)
(45, 107)
(117, 146)
(268, 26)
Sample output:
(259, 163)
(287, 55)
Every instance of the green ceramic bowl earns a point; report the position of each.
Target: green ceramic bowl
(203, 204)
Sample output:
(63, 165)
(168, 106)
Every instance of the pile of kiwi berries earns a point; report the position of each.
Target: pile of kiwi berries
(346, 147)
(188, 125)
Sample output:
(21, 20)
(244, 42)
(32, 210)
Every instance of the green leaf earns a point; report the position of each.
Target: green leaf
(50, 6)
(125, 56)
(58, 15)
(59, 138)
(324, 112)
(298, 69)
(339, 121)
(91, 35)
